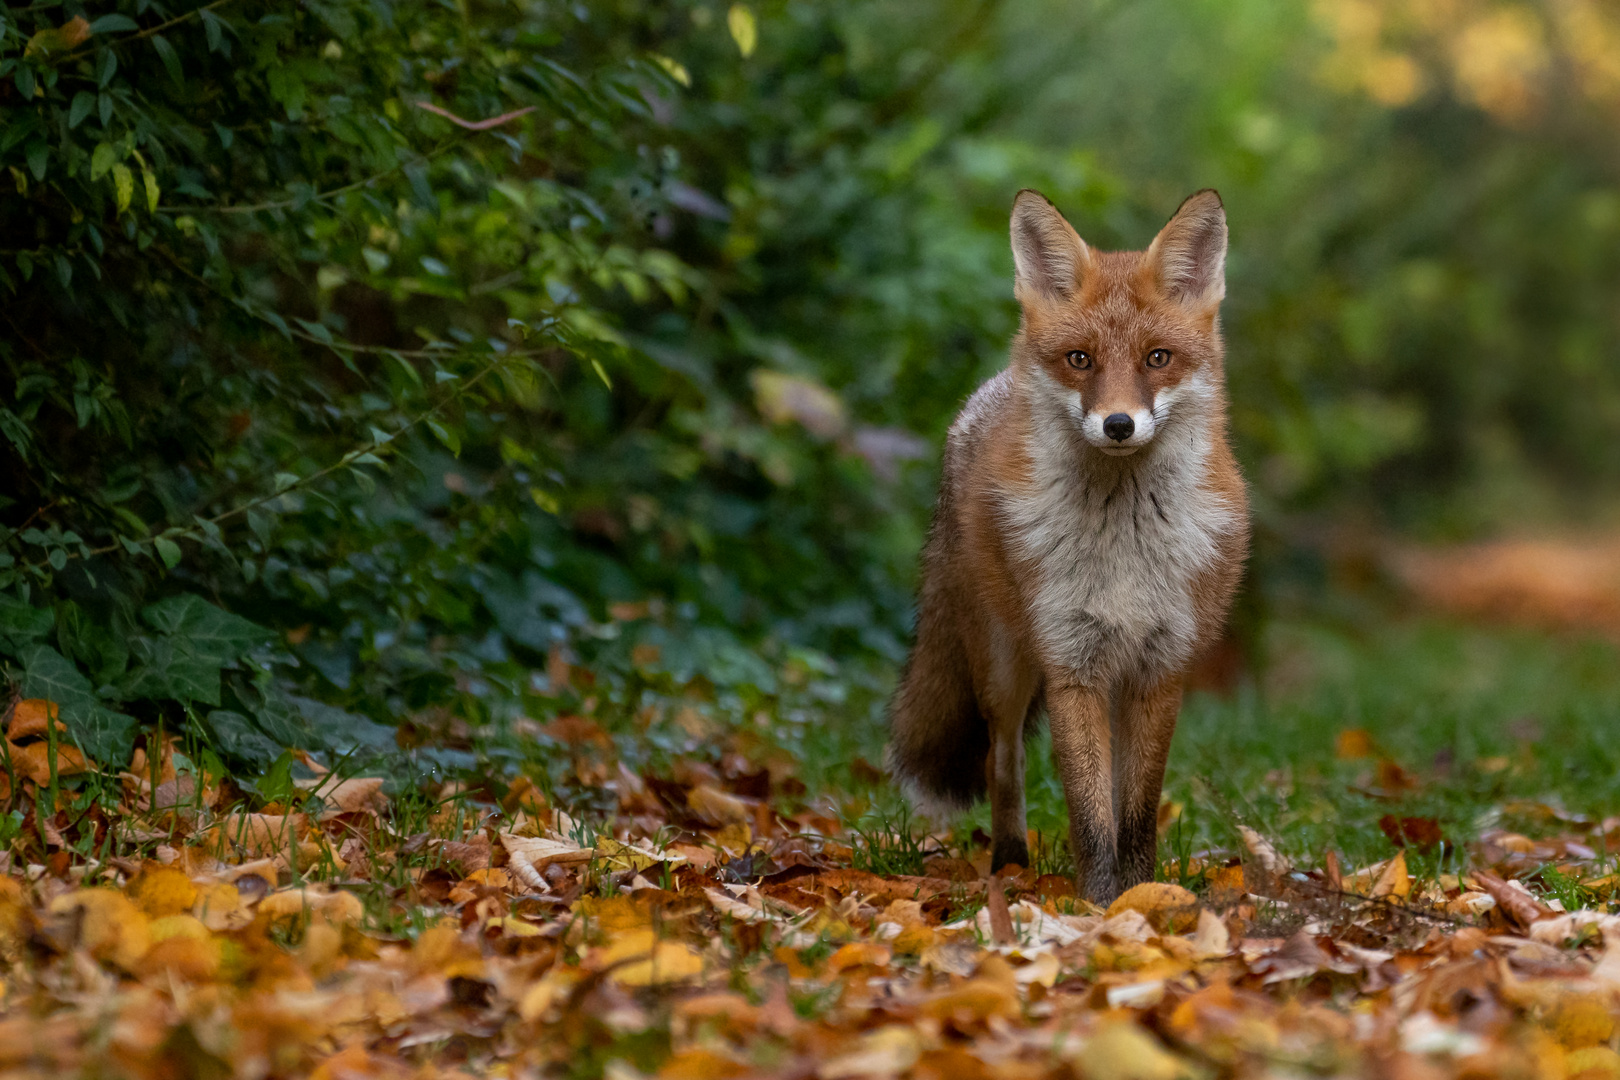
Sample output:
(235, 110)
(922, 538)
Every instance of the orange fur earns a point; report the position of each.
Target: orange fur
(1078, 563)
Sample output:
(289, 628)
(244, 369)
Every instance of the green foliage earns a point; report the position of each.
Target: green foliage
(363, 358)
(422, 338)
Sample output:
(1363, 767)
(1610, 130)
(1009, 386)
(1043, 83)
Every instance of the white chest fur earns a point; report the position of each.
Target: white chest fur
(1113, 547)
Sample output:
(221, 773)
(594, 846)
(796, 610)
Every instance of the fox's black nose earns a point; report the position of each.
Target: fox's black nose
(1119, 427)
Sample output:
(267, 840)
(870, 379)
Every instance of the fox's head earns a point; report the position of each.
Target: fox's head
(1126, 340)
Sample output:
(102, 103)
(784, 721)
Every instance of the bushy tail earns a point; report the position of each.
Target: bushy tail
(938, 741)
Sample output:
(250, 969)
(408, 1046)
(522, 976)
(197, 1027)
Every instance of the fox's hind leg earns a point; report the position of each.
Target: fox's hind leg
(1006, 700)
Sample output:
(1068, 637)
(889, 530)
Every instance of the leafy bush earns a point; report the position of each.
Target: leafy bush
(429, 342)
(367, 360)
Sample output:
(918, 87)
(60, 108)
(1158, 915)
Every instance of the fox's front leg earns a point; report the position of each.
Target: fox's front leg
(1081, 747)
(1147, 721)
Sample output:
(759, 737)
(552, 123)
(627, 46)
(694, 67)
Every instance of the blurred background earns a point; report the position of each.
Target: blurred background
(502, 360)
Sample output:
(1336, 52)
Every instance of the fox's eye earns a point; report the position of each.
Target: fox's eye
(1158, 358)
(1078, 360)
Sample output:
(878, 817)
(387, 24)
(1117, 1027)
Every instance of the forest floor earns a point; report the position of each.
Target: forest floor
(1391, 859)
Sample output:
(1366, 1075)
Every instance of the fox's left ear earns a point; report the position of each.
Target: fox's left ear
(1188, 256)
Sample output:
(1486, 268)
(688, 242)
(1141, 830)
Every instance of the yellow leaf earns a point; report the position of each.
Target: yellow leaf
(551, 987)
(1169, 908)
(124, 185)
(219, 906)
(186, 954)
(649, 962)
(674, 68)
(151, 184)
(1394, 881)
(177, 926)
(441, 950)
(62, 39)
(1122, 1050)
(614, 914)
(884, 1052)
(335, 906)
(637, 856)
(161, 890)
(735, 838)
(977, 999)
(110, 927)
(744, 31)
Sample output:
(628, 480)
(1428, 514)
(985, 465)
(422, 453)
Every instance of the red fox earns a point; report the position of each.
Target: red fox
(1090, 533)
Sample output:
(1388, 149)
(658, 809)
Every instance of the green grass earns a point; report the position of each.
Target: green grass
(1442, 699)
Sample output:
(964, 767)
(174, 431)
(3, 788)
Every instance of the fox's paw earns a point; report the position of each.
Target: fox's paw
(1009, 852)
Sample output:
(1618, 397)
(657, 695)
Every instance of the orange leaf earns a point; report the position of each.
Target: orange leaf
(34, 761)
(1353, 744)
(1394, 881)
(28, 718)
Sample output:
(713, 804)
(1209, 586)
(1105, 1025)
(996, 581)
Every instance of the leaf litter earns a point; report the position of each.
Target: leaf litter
(707, 930)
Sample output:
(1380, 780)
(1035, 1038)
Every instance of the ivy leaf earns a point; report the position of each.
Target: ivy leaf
(239, 738)
(104, 735)
(206, 630)
(344, 732)
(170, 59)
(22, 622)
(168, 669)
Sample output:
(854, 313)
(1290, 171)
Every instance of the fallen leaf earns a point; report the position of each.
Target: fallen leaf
(332, 905)
(643, 960)
(1171, 909)
(1264, 852)
(160, 890)
(1353, 744)
(1512, 898)
(1120, 1050)
(105, 923)
(354, 795)
(717, 807)
(886, 1051)
(1394, 881)
(529, 855)
(1422, 833)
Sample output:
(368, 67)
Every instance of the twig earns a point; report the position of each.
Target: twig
(321, 196)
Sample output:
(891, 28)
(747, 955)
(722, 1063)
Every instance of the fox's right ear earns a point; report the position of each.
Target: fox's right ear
(1048, 255)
